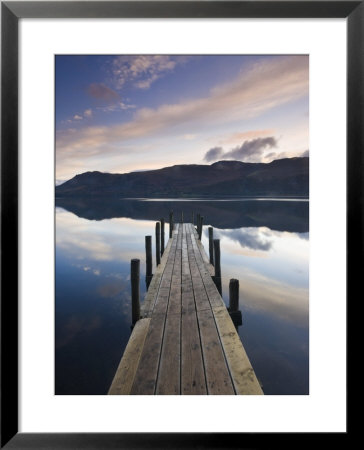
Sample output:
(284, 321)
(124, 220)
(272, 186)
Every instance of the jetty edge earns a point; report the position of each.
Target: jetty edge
(184, 342)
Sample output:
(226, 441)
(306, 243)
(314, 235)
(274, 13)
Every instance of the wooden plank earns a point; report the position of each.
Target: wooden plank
(161, 302)
(201, 298)
(193, 381)
(211, 291)
(174, 305)
(217, 373)
(124, 376)
(151, 295)
(169, 382)
(210, 267)
(169, 374)
(146, 373)
(242, 373)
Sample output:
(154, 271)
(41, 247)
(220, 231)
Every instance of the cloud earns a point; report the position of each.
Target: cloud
(248, 151)
(245, 135)
(281, 155)
(189, 137)
(252, 238)
(262, 87)
(77, 117)
(87, 113)
(213, 154)
(119, 106)
(142, 70)
(272, 156)
(103, 93)
(252, 148)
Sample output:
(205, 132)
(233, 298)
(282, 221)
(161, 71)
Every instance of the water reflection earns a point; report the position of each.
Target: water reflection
(276, 215)
(93, 305)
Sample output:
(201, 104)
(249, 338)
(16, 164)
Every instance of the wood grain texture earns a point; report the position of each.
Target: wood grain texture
(125, 373)
(242, 373)
(217, 373)
(169, 375)
(190, 346)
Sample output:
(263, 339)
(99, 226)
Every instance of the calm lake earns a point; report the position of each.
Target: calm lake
(264, 243)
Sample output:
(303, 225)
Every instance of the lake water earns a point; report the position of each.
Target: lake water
(264, 244)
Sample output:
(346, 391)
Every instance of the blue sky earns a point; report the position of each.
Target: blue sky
(121, 113)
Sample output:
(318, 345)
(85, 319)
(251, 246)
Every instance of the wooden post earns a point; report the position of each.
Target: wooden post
(170, 224)
(234, 311)
(217, 258)
(198, 221)
(211, 245)
(181, 216)
(135, 278)
(193, 219)
(162, 236)
(158, 243)
(217, 277)
(148, 260)
(233, 295)
(200, 229)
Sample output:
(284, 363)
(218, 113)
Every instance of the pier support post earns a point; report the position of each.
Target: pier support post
(200, 228)
(148, 260)
(158, 243)
(193, 219)
(211, 245)
(135, 278)
(162, 236)
(181, 216)
(233, 295)
(170, 224)
(217, 277)
(234, 311)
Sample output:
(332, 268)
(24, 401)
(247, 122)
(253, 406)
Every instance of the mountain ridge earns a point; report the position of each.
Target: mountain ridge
(282, 177)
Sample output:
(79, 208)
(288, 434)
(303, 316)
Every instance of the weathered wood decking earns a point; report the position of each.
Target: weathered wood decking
(185, 342)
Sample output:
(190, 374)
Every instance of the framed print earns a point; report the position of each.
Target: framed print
(199, 126)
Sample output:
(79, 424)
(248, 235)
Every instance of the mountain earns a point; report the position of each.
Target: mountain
(282, 177)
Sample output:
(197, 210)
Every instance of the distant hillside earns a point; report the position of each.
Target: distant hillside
(283, 177)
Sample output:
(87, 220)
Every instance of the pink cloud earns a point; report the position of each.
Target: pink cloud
(101, 92)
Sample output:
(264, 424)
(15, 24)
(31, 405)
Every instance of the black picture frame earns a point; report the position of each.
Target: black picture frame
(11, 12)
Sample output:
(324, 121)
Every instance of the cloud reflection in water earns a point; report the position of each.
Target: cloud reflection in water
(272, 268)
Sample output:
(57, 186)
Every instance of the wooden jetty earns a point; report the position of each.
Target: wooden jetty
(185, 341)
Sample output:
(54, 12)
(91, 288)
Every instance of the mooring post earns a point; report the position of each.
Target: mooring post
(234, 311)
(181, 216)
(135, 278)
(198, 221)
(193, 219)
(148, 260)
(217, 277)
(233, 295)
(211, 245)
(170, 224)
(200, 229)
(158, 243)
(162, 236)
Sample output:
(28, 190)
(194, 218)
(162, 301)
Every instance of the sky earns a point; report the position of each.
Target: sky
(125, 113)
